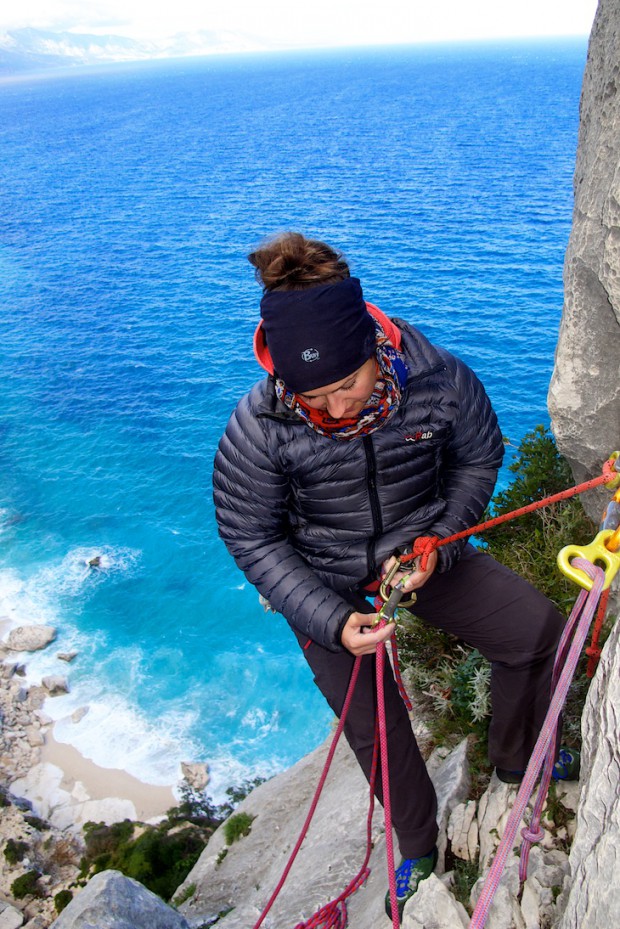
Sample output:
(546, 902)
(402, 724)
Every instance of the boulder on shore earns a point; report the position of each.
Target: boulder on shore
(30, 638)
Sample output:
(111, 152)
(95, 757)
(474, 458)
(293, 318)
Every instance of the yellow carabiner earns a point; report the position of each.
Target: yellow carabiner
(615, 481)
(596, 552)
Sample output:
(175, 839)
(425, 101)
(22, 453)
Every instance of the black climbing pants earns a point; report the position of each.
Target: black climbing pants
(492, 609)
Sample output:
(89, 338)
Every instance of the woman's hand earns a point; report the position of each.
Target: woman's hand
(411, 575)
(359, 638)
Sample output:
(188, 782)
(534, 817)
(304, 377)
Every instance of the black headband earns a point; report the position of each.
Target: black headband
(318, 336)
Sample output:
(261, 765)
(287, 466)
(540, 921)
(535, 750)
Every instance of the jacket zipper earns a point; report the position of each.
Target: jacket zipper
(375, 508)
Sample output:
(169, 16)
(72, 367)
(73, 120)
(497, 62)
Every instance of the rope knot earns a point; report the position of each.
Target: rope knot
(422, 546)
(533, 835)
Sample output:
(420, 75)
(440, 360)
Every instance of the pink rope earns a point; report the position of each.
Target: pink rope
(544, 750)
(385, 779)
(334, 914)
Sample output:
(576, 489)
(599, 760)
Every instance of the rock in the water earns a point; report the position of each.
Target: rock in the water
(196, 775)
(55, 685)
(30, 638)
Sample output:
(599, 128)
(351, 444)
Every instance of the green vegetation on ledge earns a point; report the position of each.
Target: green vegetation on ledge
(160, 857)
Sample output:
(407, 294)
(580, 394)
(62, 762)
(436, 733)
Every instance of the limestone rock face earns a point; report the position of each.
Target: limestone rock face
(584, 402)
(330, 857)
(112, 901)
(592, 891)
(10, 918)
(584, 397)
(434, 907)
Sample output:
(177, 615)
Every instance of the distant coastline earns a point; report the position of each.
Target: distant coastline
(30, 51)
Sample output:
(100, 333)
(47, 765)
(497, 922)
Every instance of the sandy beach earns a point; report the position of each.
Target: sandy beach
(99, 783)
(64, 787)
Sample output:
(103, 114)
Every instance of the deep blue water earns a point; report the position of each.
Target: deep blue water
(130, 197)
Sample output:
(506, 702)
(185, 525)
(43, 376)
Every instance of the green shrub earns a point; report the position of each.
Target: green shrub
(189, 891)
(470, 692)
(196, 807)
(14, 851)
(62, 899)
(26, 885)
(159, 859)
(162, 856)
(529, 545)
(237, 826)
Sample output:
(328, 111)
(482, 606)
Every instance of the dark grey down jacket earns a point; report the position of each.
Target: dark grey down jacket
(308, 517)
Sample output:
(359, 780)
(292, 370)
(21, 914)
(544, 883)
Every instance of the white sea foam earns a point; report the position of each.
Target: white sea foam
(114, 734)
(82, 569)
(19, 603)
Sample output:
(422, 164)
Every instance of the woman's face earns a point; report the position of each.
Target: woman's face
(348, 397)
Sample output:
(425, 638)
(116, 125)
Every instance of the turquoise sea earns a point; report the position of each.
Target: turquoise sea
(129, 198)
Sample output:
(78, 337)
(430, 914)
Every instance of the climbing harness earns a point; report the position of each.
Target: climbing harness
(575, 563)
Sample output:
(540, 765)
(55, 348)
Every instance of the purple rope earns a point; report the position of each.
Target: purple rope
(543, 755)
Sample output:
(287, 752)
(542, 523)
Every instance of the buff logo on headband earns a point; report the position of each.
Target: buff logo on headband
(318, 336)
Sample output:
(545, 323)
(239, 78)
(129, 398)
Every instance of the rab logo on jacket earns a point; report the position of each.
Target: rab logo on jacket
(310, 354)
(418, 436)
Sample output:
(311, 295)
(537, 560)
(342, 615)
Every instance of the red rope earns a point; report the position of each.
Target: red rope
(424, 545)
(594, 649)
(334, 914)
(385, 781)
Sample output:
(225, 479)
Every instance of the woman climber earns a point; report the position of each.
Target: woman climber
(362, 437)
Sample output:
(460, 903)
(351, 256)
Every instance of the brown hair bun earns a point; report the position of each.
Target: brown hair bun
(291, 262)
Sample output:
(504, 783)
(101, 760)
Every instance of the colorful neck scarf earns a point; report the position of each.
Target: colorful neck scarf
(380, 407)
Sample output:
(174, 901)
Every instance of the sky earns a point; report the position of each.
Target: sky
(294, 24)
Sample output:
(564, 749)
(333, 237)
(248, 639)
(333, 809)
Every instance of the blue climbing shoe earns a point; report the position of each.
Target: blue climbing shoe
(568, 765)
(409, 873)
(566, 768)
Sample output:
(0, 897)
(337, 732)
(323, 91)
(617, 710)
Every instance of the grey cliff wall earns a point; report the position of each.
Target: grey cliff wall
(584, 398)
(584, 402)
(593, 883)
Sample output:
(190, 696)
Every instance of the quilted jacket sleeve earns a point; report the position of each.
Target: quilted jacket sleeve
(472, 458)
(251, 511)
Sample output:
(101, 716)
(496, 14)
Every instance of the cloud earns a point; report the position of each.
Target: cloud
(278, 22)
